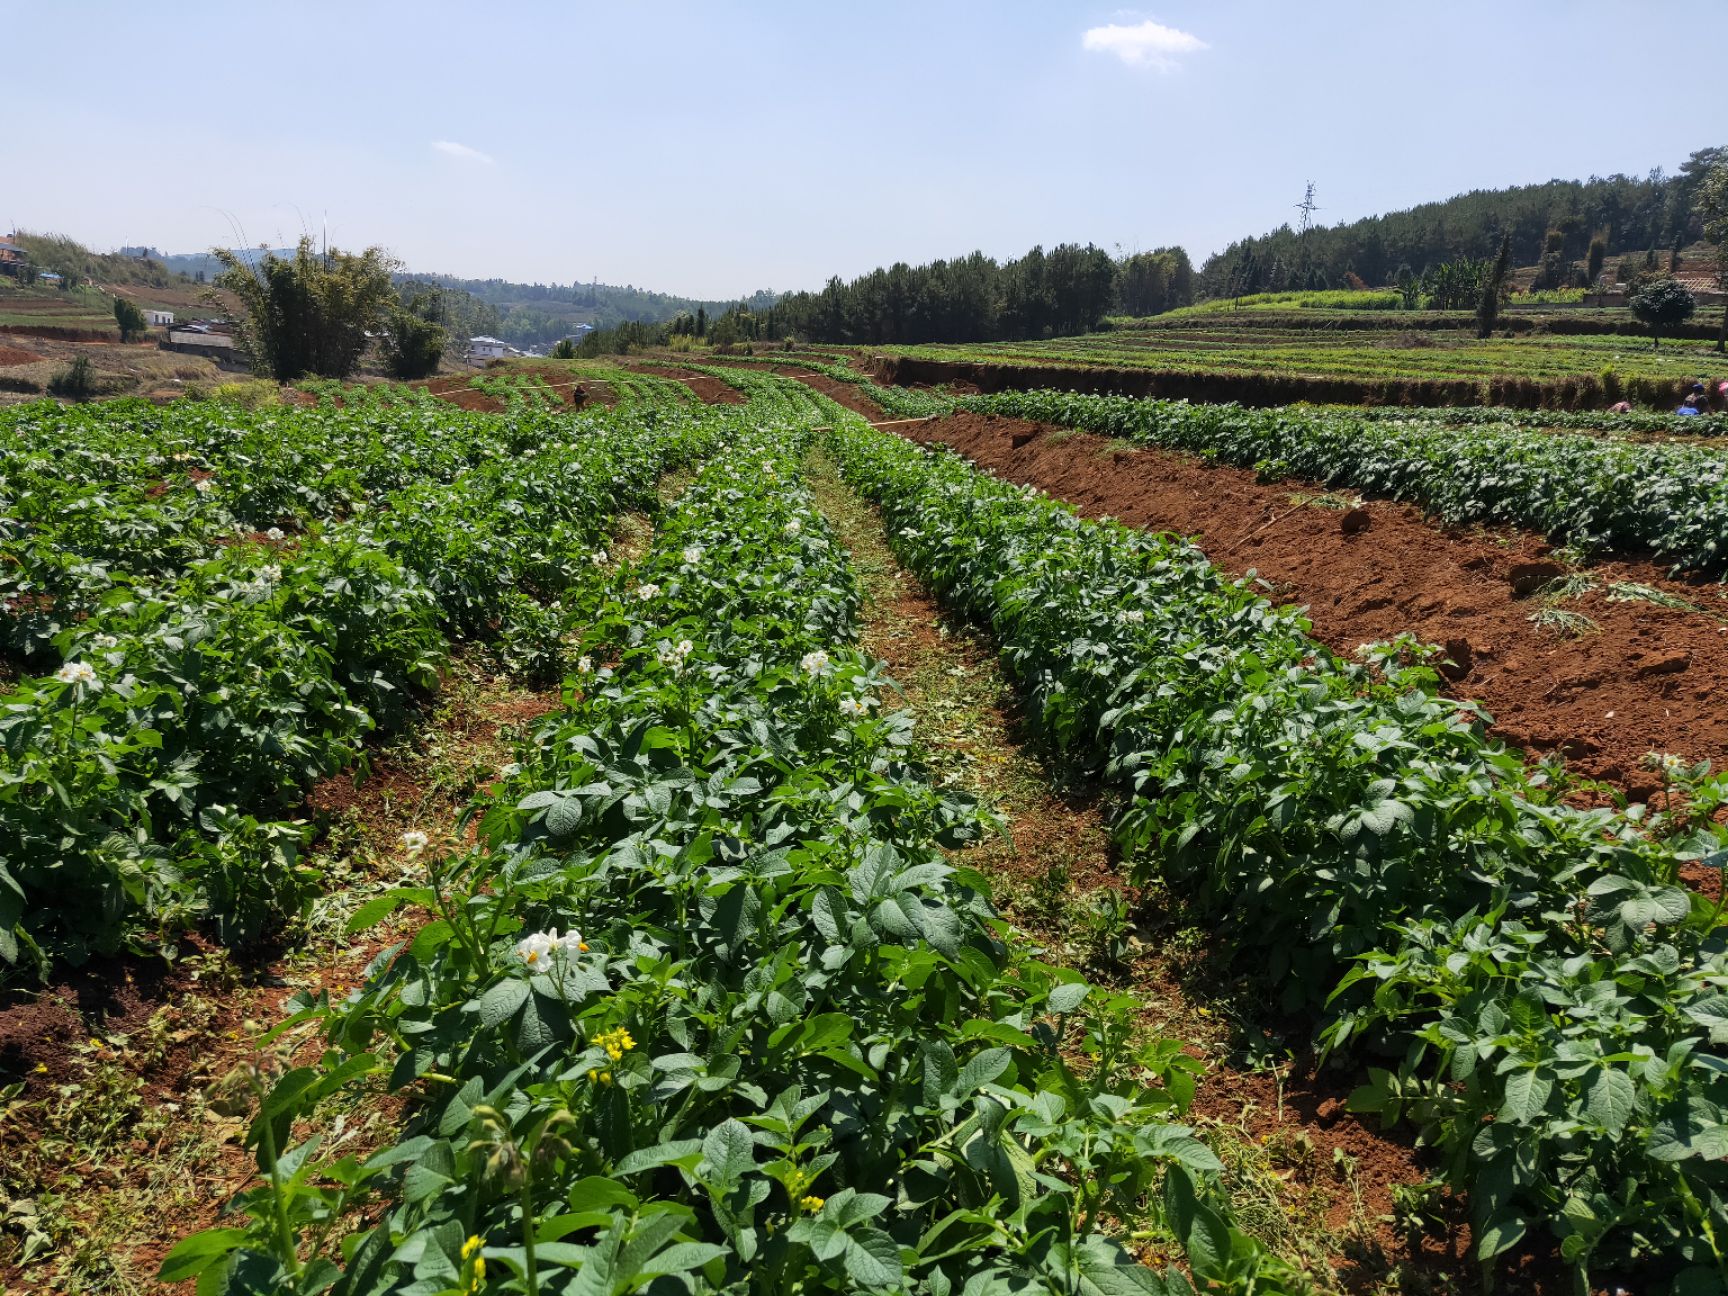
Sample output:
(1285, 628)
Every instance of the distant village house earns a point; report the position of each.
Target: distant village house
(159, 317)
(489, 348)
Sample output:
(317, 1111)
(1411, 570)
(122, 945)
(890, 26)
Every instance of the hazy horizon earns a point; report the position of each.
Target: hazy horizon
(711, 152)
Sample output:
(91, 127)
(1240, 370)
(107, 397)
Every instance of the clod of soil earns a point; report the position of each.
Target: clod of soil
(1528, 577)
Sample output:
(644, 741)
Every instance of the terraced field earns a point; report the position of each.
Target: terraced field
(1220, 358)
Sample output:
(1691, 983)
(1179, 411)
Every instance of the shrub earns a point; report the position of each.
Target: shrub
(75, 382)
(413, 346)
(129, 318)
(248, 393)
(1661, 304)
(565, 349)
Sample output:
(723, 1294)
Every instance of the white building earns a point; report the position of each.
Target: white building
(487, 348)
(159, 317)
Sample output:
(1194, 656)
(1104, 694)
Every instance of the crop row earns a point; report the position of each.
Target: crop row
(1358, 840)
(707, 1009)
(1248, 349)
(1667, 500)
(181, 685)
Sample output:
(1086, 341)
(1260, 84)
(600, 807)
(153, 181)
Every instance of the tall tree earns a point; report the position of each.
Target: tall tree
(1493, 289)
(1661, 304)
(129, 318)
(1713, 213)
(308, 314)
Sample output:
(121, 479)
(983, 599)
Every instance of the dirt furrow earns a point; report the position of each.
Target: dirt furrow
(1324, 1189)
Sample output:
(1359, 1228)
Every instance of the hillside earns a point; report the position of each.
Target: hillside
(539, 313)
(57, 254)
(1634, 215)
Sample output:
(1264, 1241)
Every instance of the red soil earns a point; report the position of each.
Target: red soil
(13, 356)
(1649, 679)
(1303, 1124)
(455, 389)
(709, 390)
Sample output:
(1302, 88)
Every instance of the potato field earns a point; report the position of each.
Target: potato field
(516, 849)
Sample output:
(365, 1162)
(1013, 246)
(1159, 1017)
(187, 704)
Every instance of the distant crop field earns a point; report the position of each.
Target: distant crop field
(1208, 357)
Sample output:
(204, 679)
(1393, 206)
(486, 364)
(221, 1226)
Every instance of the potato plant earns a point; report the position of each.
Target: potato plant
(205, 618)
(1668, 500)
(708, 1009)
(1358, 839)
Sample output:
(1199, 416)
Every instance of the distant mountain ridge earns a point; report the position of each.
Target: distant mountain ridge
(533, 313)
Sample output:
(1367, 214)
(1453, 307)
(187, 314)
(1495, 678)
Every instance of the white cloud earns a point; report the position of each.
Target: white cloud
(1146, 44)
(450, 148)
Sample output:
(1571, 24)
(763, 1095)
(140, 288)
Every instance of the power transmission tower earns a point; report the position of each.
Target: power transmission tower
(1307, 207)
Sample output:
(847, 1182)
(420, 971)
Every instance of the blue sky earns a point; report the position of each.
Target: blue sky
(714, 148)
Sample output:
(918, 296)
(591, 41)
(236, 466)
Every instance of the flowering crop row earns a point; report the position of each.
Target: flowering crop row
(181, 685)
(1559, 998)
(707, 1009)
(1668, 500)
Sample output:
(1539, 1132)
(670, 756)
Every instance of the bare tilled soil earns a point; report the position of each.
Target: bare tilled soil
(1646, 678)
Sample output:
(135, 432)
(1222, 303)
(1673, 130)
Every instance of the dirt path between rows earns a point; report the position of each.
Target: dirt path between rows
(124, 1132)
(1311, 1180)
(709, 389)
(1641, 677)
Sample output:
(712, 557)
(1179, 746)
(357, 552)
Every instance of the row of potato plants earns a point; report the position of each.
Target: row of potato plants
(1667, 500)
(184, 673)
(707, 1008)
(1547, 1000)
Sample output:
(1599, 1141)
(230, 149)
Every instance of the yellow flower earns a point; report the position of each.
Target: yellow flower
(616, 1042)
(475, 1263)
(813, 1204)
(601, 1077)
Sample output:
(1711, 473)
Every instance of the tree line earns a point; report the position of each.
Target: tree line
(1069, 289)
(1553, 225)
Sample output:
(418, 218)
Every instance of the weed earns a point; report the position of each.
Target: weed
(1573, 624)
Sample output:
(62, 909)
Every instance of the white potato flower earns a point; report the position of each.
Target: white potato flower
(814, 663)
(275, 533)
(79, 673)
(584, 665)
(693, 554)
(538, 949)
(647, 591)
(598, 558)
(414, 841)
(1134, 616)
(106, 641)
(854, 706)
(794, 527)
